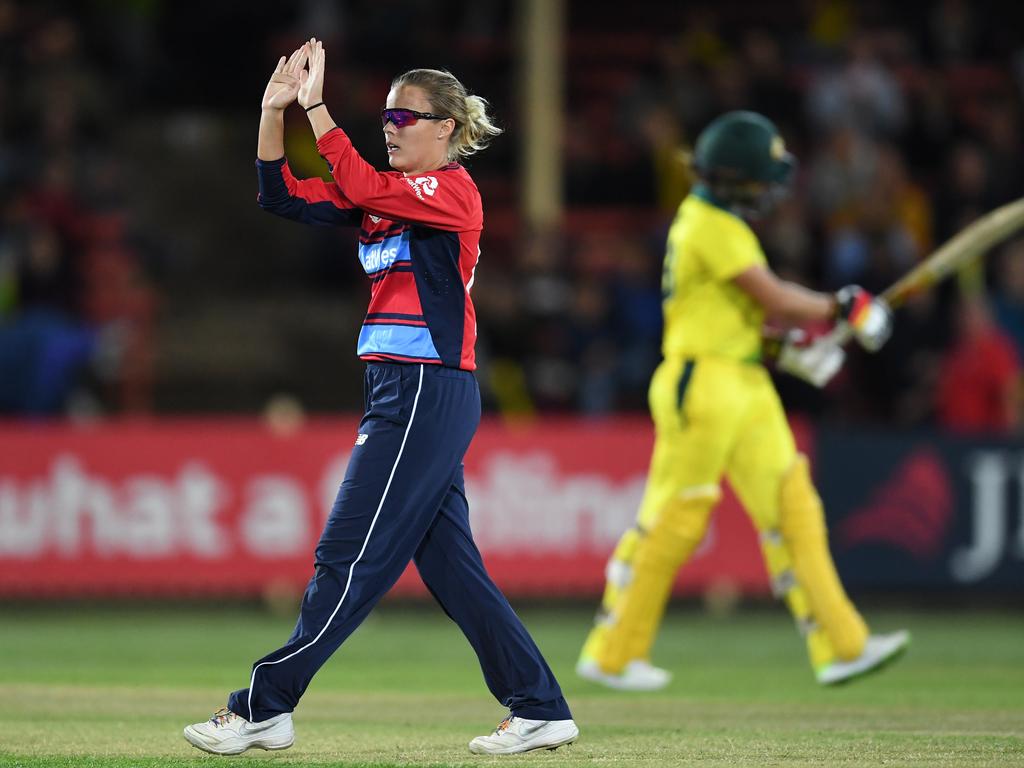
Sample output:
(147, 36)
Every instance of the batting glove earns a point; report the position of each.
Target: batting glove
(815, 362)
(868, 317)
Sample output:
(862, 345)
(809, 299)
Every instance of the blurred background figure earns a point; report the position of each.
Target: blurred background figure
(76, 305)
(979, 376)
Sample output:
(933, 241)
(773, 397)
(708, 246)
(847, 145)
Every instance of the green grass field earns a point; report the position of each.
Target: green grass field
(106, 687)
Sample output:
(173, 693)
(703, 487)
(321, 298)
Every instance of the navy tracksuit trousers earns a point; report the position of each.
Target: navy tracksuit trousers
(403, 498)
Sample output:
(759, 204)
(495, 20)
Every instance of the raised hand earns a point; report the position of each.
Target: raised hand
(284, 83)
(311, 89)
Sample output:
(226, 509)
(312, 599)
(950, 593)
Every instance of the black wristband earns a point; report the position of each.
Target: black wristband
(318, 104)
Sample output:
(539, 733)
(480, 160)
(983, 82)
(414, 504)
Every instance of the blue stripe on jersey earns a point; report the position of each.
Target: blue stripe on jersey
(404, 340)
(379, 256)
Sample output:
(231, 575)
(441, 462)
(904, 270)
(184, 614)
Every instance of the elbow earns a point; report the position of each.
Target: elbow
(269, 207)
(284, 207)
(268, 194)
(270, 202)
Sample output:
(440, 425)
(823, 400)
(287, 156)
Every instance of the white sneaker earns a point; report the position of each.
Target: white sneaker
(878, 651)
(637, 675)
(229, 734)
(516, 734)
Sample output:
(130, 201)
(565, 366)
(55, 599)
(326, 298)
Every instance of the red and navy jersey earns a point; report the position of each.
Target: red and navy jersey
(419, 242)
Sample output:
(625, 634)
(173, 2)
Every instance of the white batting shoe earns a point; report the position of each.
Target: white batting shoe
(637, 675)
(878, 651)
(229, 734)
(516, 734)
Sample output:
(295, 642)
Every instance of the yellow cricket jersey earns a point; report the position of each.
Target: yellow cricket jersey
(705, 313)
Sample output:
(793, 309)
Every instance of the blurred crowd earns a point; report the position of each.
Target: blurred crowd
(908, 124)
(906, 118)
(76, 307)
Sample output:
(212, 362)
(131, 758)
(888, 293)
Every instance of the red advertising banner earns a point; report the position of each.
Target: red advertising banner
(231, 507)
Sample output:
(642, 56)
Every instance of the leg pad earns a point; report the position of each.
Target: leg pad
(632, 619)
(809, 580)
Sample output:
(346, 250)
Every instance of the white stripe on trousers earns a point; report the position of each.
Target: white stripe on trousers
(348, 583)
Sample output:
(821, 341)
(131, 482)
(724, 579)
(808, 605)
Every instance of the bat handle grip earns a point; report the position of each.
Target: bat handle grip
(840, 335)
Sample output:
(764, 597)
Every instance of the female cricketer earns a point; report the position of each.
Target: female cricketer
(716, 413)
(403, 495)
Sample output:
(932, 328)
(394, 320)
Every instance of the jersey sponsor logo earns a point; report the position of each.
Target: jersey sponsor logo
(423, 185)
(374, 219)
(377, 256)
(361, 438)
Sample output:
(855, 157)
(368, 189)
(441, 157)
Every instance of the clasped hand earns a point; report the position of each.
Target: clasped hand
(292, 81)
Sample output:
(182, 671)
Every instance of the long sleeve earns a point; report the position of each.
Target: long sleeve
(310, 201)
(443, 199)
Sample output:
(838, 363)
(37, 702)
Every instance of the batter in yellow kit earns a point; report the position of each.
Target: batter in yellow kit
(716, 413)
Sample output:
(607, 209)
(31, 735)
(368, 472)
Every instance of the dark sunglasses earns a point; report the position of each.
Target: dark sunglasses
(404, 117)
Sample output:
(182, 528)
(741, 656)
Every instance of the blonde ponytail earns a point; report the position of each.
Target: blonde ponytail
(478, 130)
(447, 96)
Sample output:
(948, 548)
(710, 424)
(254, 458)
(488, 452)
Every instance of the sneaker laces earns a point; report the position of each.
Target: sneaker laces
(504, 725)
(222, 717)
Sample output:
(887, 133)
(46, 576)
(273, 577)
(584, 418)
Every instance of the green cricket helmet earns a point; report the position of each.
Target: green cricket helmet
(743, 160)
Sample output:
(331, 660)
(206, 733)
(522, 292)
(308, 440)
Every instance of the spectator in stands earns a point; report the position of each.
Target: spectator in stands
(953, 31)
(1002, 127)
(76, 310)
(44, 350)
(979, 378)
(966, 192)
(842, 173)
(874, 251)
(771, 90)
(862, 93)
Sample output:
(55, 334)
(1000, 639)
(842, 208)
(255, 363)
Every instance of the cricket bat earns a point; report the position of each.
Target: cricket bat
(974, 240)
